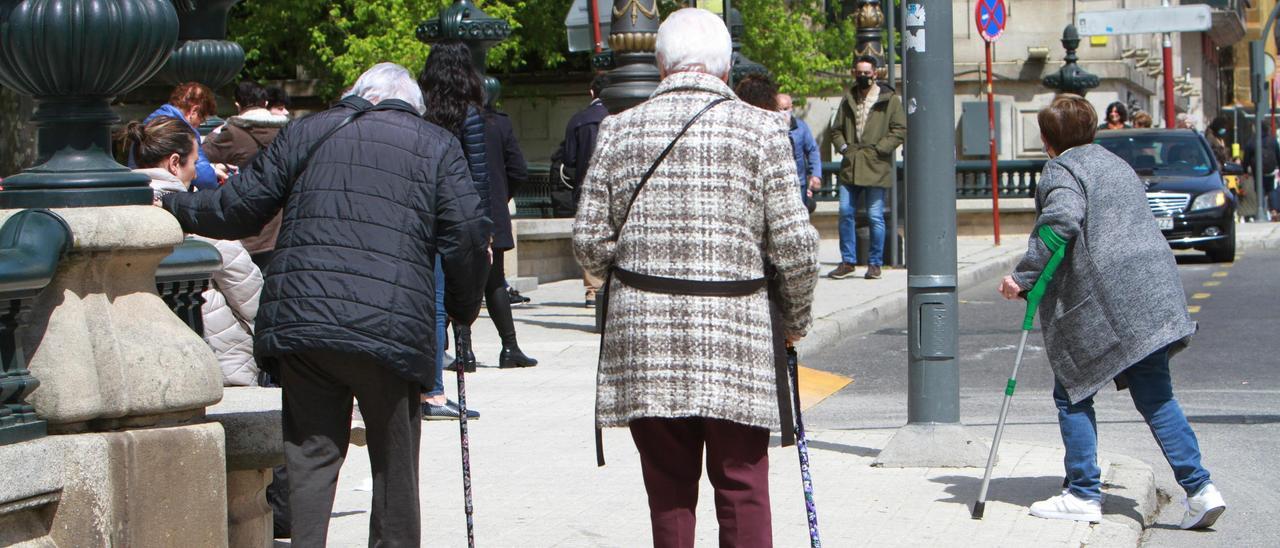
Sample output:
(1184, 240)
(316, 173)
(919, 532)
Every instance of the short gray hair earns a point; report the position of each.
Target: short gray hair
(694, 40)
(389, 81)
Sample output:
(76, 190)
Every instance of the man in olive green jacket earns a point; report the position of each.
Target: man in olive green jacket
(869, 125)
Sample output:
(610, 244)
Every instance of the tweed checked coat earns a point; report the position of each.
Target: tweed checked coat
(721, 206)
(1116, 297)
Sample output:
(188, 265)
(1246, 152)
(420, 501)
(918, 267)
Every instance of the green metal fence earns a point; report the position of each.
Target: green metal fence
(973, 181)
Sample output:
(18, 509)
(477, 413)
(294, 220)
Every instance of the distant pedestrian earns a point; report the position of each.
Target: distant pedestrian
(194, 103)
(507, 171)
(278, 101)
(575, 154)
(869, 126)
(1142, 120)
(348, 305)
(1117, 117)
(241, 139)
(688, 372)
(1115, 311)
(165, 151)
(454, 94)
(805, 148)
(1270, 161)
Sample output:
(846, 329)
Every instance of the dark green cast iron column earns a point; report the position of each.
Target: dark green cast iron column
(73, 57)
(203, 55)
(632, 37)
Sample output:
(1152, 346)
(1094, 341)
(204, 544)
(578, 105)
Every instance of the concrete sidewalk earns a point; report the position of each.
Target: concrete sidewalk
(536, 483)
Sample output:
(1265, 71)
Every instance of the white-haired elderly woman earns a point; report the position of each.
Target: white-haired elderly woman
(689, 359)
(371, 194)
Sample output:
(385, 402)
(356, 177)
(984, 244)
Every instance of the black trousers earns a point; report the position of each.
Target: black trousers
(318, 388)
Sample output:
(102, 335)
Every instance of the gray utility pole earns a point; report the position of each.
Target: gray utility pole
(933, 435)
(1261, 98)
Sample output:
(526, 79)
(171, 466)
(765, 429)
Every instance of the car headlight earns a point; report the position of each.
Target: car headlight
(1209, 200)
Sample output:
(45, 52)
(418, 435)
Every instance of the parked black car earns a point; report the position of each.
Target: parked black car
(1185, 188)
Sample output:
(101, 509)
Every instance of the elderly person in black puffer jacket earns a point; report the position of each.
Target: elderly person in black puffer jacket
(348, 304)
(1115, 310)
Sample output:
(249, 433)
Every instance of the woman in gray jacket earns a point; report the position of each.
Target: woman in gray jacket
(1115, 311)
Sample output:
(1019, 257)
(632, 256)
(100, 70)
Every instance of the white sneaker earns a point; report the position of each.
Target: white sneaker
(1068, 506)
(1203, 508)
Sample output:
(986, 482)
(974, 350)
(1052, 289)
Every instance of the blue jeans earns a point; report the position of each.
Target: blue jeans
(441, 336)
(1152, 391)
(848, 229)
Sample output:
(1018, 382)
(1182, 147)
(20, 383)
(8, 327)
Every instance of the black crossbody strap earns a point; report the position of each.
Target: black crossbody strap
(654, 166)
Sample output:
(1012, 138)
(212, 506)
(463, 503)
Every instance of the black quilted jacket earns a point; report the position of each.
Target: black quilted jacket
(353, 267)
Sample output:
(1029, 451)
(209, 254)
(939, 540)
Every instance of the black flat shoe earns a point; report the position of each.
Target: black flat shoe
(513, 357)
(447, 412)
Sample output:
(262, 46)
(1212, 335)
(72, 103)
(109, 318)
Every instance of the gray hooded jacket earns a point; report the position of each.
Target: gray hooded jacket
(1116, 297)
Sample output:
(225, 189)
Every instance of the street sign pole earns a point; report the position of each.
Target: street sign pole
(1168, 77)
(991, 16)
(995, 162)
(933, 435)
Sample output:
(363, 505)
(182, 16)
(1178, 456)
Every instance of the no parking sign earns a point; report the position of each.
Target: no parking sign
(991, 17)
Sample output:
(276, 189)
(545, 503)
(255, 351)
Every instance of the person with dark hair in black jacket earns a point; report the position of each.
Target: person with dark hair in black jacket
(371, 195)
(574, 157)
(454, 96)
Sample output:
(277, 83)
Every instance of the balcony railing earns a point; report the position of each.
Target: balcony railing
(32, 243)
(183, 277)
(1017, 180)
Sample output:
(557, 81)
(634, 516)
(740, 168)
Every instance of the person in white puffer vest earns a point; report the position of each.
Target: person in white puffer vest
(165, 151)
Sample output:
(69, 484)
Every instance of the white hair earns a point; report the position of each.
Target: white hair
(389, 81)
(696, 40)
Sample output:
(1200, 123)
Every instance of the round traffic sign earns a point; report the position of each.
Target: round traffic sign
(991, 16)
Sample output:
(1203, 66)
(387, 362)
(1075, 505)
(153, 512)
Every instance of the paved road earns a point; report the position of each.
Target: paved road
(1228, 382)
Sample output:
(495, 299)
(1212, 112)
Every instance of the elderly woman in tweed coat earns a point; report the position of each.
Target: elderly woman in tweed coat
(682, 371)
(1115, 310)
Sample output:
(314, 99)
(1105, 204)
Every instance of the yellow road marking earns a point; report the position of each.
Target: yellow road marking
(1193, 309)
(1220, 274)
(1212, 284)
(816, 386)
(1200, 296)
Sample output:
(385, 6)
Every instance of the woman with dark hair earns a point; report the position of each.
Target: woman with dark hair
(165, 150)
(1117, 117)
(454, 95)
(758, 91)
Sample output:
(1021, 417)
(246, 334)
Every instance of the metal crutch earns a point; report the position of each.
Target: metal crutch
(1057, 246)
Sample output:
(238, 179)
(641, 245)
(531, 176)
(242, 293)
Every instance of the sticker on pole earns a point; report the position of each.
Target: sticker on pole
(991, 17)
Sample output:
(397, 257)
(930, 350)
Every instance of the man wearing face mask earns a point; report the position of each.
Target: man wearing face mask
(869, 125)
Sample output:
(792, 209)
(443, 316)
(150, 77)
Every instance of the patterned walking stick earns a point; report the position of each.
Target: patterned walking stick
(465, 358)
(802, 447)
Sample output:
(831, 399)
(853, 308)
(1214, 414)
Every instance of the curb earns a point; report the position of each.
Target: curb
(829, 329)
(1123, 525)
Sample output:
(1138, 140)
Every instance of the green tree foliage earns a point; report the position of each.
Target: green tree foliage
(794, 40)
(335, 41)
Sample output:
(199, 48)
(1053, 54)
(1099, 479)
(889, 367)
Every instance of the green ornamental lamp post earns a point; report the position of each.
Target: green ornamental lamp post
(1071, 78)
(203, 54)
(869, 18)
(632, 37)
(73, 57)
(742, 66)
(477, 29)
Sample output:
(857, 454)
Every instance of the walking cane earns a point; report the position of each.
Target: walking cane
(802, 447)
(1058, 247)
(465, 358)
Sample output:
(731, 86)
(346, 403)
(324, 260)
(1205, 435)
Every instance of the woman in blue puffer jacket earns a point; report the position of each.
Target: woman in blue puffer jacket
(193, 103)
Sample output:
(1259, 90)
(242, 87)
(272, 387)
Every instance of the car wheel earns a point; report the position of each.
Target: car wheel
(1224, 252)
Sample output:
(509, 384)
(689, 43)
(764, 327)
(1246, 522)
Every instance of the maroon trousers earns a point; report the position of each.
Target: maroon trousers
(737, 464)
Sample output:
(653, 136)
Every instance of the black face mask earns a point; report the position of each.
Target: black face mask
(864, 82)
